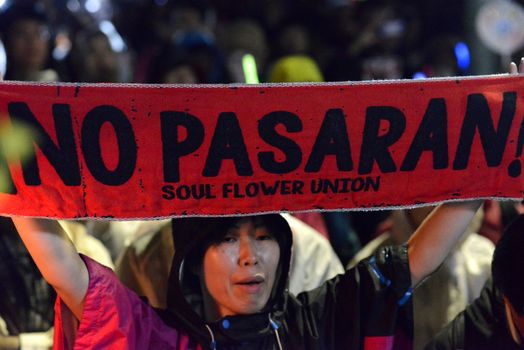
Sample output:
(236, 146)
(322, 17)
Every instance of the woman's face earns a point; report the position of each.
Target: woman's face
(239, 271)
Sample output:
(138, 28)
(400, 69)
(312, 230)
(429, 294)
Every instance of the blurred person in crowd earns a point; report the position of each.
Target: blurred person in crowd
(495, 320)
(368, 225)
(293, 61)
(181, 72)
(383, 45)
(453, 286)
(379, 43)
(295, 68)
(342, 234)
(241, 37)
(498, 216)
(182, 17)
(187, 26)
(173, 66)
(294, 39)
(206, 58)
(27, 42)
(292, 53)
(341, 30)
(92, 59)
(194, 50)
(439, 58)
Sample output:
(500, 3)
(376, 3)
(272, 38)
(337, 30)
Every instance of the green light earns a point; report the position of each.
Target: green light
(249, 66)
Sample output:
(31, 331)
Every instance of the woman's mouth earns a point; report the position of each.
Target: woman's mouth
(251, 285)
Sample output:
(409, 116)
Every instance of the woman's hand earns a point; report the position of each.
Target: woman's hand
(513, 69)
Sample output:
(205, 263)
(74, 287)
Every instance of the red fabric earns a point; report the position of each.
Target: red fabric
(378, 343)
(144, 151)
(113, 318)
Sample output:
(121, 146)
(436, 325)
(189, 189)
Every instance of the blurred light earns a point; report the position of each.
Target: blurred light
(93, 6)
(62, 46)
(59, 53)
(419, 75)
(462, 55)
(161, 2)
(249, 67)
(393, 28)
(73, 6)
(3, 3)
(3, 60)
(115, 40)
(503, 28)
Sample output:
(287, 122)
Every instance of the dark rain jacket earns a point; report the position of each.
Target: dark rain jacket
(481, 326)
(368, 307)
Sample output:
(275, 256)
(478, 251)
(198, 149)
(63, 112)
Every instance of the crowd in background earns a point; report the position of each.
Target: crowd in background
(160, 41)
(198, 41)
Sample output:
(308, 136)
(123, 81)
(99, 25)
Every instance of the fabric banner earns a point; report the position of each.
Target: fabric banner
(147, 151)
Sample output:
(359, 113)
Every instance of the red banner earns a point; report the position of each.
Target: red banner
(144, 151)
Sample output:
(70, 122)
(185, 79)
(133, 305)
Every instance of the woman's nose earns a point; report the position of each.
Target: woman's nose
(248, 255)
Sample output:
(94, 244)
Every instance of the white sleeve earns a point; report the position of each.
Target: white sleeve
(313, 259)
(36, 340)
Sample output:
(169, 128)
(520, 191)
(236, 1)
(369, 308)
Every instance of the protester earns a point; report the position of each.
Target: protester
(92, 60)
(496, 319)
(228, 288)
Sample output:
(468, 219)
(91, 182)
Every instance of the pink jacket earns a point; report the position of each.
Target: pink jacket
(113, 318)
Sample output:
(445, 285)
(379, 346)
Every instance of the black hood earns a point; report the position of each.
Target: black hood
(191, 237)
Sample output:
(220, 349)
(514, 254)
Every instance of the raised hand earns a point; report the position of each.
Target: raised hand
(513, 69)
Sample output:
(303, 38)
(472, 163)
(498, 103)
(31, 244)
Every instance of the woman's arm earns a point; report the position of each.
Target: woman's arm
(438, 234)
(431, 243)
(56, 258)
(9, 342)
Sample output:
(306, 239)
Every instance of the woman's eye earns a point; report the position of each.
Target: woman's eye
(229, 239)
(264, 237)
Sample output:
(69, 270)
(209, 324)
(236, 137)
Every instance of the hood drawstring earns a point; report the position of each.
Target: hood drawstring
(213, 345)
(274, 325)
